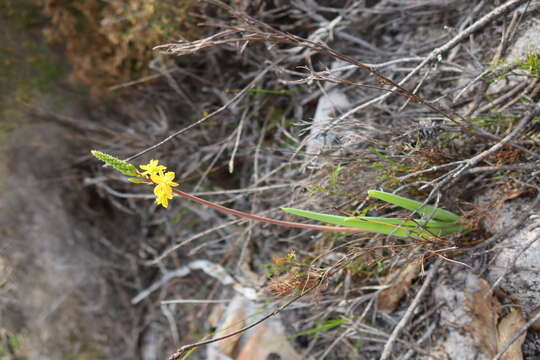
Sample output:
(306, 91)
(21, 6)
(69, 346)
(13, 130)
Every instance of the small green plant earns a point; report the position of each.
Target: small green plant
(10, 346)
(154, 174)
(439, 223)
(334, 176)
(436, 222)
(532, 64)
(387, 168)
(361, 268)
(333, 183)
(280, 265)
(495, 119)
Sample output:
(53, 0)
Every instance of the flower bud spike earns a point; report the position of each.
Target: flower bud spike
(123, 166)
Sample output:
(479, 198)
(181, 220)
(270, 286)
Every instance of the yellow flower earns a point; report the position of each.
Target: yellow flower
(162, 197)
(153, 168)
(163, 189)
(291, 255)
(163, 180)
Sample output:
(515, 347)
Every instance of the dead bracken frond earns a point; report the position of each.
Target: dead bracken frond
(111, 42)
(293, 282)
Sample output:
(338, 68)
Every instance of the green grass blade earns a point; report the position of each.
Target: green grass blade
(401, 221)
(438, 228)
(330, 219)
(359, 223)
(383, 157)
(432, 224)
(451, 229)
(414, 205)
(393, 227)
(399, 227)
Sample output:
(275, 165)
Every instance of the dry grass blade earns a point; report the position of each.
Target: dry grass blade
(254, 30)
(236, 98)
(409, 312)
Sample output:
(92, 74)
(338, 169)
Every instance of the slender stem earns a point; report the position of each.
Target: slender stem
(186, 348)
(263, 219)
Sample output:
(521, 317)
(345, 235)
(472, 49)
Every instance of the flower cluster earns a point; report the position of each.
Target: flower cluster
(163, 180)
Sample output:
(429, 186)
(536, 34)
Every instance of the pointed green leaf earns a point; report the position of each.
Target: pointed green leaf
(413, 205)
(399, 227)
(376, 227)
(331, 219)
(431, 225)
(400, 221)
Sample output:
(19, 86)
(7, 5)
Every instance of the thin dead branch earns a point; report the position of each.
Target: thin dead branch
(408, 314)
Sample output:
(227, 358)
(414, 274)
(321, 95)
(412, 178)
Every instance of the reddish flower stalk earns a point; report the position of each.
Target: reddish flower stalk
(263, 219)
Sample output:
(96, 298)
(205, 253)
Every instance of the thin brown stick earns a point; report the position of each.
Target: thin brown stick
(273, 35)
(515, 132)
(502, 99)
(438, 52)
(236, 98)
(256, 30)
(523, 166)
(182, 351)
(390, 343)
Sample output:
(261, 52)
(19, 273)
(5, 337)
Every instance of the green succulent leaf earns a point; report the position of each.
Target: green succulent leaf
(413, 205)
(444, 223)
(359, 223)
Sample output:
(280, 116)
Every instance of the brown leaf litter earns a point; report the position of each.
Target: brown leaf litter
(490, 334)
(390, 297)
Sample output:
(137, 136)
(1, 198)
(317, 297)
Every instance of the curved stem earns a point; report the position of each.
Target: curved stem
(263, 219)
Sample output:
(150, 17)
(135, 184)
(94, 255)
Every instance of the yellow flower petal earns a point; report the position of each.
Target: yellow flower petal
(162, 201)
(163, 190)
(153, 168)
(167, 179)
(164, 181)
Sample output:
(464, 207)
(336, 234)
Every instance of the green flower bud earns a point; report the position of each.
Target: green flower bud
(120, 165)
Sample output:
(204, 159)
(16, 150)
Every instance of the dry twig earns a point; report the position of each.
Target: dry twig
(406, 317)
